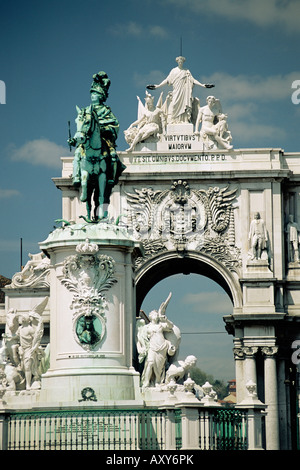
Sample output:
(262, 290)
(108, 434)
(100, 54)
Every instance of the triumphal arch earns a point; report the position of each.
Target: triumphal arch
(183, 199)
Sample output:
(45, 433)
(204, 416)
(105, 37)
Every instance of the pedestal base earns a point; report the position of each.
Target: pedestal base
(97, 385)
(258, 268)
(162, 397)
(293, 271)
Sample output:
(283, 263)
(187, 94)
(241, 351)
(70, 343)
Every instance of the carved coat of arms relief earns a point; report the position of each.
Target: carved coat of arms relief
(182, 218)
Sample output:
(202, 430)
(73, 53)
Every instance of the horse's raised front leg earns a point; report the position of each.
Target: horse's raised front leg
(96, 202)
(103, 207)
(84, 180)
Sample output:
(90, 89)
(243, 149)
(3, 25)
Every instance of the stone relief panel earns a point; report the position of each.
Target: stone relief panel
(23, 359)
(88, 274)
(182, 218)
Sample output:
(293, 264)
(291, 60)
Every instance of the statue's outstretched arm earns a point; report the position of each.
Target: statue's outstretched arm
(153, 87)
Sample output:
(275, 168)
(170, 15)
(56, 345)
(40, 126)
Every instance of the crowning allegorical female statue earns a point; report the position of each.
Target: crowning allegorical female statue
(182, 83)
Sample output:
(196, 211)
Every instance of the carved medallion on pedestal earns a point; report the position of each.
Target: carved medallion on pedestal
(88, 274)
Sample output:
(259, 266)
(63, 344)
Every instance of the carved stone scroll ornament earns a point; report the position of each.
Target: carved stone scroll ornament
(34, 274)
(88, 274)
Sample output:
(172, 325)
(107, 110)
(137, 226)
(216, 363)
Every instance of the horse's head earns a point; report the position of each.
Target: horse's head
(84, 124)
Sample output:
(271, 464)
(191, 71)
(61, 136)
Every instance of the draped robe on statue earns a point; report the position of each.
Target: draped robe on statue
(182, 82)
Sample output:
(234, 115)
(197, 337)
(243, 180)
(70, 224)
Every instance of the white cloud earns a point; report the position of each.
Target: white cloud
(8, 193)
(158, 31)
(133, 29)
(255, 87)
(38, 152)
(262, 13)
(152, 77)
(209, 302)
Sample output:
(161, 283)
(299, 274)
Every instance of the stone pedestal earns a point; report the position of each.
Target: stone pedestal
(92, 315)
(293, 273)
(179, 137)
(258, 268)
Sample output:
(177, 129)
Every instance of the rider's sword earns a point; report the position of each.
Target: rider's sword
(69, 126)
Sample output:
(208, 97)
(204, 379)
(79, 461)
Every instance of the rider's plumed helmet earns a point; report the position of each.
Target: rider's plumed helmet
(101, 83)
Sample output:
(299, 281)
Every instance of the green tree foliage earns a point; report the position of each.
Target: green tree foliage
(200, 377)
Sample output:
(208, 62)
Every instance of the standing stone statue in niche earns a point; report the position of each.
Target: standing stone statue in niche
(96, 165)
(292, 231)
(258, 237)
(182, 83)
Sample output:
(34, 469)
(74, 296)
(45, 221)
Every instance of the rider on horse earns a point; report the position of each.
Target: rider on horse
(108, 126)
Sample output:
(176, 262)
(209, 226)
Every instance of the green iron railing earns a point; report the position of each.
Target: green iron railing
(144, 429)
(87, 430)
(223, 429)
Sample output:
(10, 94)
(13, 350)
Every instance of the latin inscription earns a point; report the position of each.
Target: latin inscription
(196, 158)
(180, 141)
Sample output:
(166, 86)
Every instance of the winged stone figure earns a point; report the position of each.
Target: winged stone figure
(157, 344)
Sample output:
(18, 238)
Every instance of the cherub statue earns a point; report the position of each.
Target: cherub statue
(179, 369)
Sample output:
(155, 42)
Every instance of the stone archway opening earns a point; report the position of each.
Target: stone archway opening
(192, 263)
(197, 307)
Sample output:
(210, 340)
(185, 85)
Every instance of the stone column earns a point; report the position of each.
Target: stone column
(271, 398)
(250, 364)
(239, 376)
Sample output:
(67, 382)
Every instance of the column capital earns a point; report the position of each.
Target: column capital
(238, 353)
(269, 351)
(250, 351)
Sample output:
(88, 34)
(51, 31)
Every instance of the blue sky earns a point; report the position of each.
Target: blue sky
(50, 49)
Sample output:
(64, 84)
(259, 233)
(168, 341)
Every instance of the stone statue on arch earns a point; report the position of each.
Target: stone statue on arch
(158, 340)
(292, 233)
(182, 103)
(258, 238)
